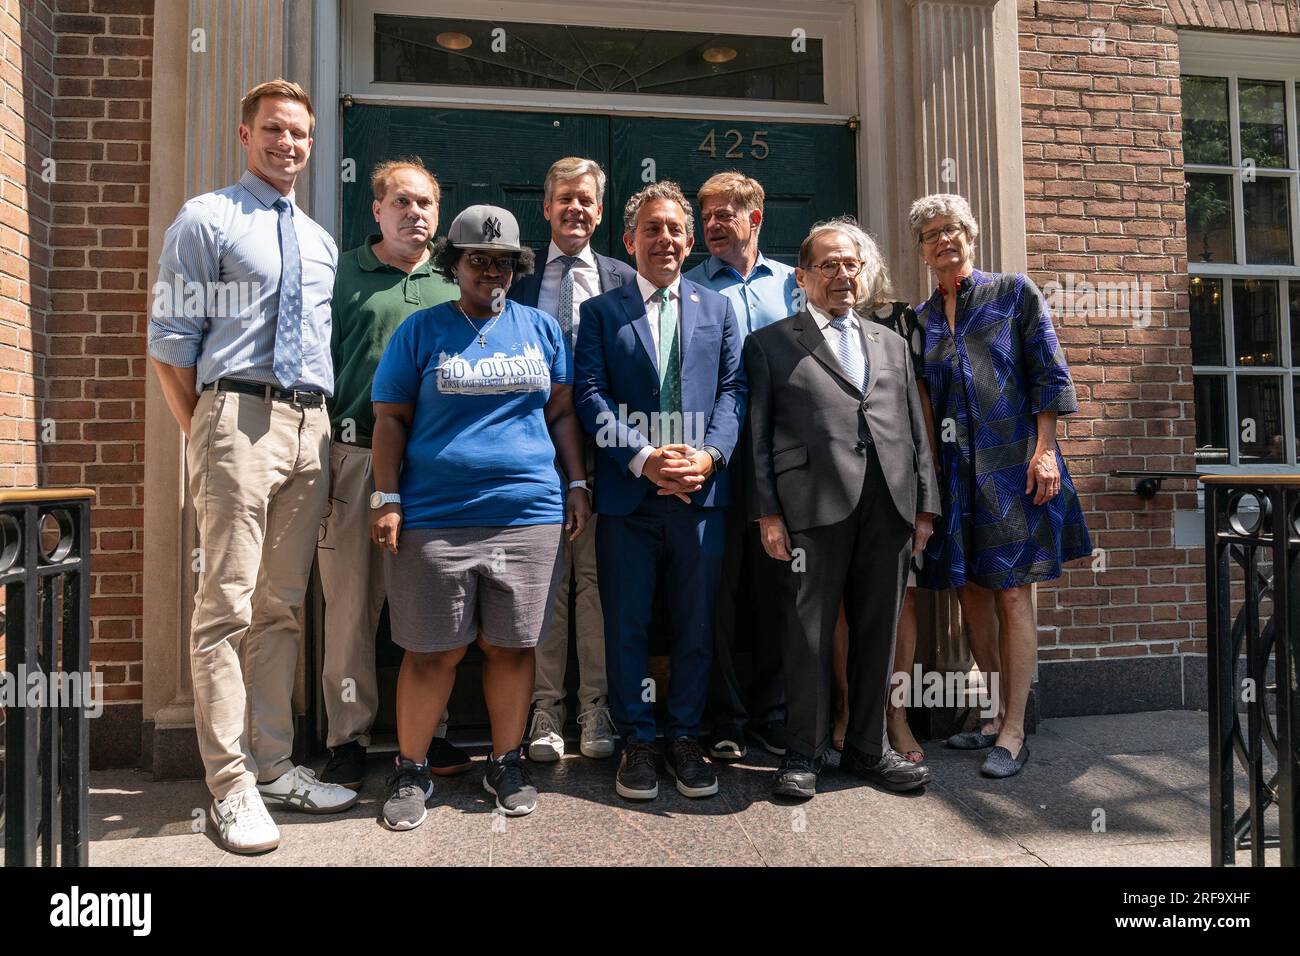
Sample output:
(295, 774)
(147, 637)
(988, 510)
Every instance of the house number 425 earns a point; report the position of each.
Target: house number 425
(757, 144)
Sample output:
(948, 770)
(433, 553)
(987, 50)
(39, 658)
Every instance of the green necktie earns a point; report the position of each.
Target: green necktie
(670, 364)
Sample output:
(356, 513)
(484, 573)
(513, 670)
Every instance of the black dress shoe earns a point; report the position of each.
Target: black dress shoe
(797, 777)
(892, 771)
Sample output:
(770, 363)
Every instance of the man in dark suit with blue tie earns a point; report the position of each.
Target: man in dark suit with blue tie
(570, 273)
(659, 383)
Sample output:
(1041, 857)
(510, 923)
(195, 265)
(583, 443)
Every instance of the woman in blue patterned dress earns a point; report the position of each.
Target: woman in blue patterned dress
(998, 380)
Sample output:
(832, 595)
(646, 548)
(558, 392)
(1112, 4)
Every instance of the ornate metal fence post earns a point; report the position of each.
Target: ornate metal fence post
(1253, 522)
(47, 683)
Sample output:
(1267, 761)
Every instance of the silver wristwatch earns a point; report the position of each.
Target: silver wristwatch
(380, 498)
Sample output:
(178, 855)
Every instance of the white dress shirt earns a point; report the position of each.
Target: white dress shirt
(832, 334)
(649, 295)
(586, 282)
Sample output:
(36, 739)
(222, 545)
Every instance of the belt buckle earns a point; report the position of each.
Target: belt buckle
(303, 400)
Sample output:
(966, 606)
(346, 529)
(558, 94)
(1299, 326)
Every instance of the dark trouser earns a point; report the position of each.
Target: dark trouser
(687, 542)
(750, 580)
(864, 559)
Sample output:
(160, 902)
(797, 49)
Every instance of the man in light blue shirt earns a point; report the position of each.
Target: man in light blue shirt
(239, 335)
(762, 291)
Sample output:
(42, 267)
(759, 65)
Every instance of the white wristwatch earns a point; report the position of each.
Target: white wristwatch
(380, 498)
(580, 483)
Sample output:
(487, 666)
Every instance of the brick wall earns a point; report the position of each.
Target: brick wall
(26, 127)
(95, 371)
(1104, 202)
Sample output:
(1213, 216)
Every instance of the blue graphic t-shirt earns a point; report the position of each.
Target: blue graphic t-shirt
(478, 452)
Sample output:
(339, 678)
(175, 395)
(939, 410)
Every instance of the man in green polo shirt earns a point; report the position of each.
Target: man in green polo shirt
(378, 284)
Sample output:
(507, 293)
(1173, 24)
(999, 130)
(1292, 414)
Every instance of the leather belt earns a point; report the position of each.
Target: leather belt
(305, 398)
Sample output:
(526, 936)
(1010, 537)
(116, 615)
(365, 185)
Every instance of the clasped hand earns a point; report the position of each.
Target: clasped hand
(678, 470)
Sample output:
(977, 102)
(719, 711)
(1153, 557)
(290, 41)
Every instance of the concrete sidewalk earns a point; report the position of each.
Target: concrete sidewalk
(1147, 773)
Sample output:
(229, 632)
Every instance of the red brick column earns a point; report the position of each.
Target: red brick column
(26, 127)
(95, 372)
(1104, 202)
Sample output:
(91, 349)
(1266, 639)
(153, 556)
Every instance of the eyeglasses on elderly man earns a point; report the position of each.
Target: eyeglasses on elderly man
(831, 267)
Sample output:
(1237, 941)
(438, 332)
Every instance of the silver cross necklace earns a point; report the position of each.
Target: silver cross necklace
(481, 333)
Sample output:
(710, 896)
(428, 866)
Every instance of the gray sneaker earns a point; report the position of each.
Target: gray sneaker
(545, 743)
(508, 781)
(409, 788)
(597, 732)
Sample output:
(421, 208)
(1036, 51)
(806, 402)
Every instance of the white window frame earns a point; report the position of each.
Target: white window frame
(1237, 58)
(830, 22)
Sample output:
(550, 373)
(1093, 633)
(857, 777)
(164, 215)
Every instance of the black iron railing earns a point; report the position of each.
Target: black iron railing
(46, 687)
(1148, 485)
(1253, 522)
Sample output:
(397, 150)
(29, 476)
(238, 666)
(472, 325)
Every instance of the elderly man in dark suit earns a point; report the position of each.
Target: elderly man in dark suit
(843, 488)
(659, 383)
(569, 273)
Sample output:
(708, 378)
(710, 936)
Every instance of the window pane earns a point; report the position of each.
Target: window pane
(596, 59)
(1267, 206)
(1295, 331)
(1255, 322)
(1205, 120)
(1211, 419)
(1295, 414)
(1263, 122)
(1209, 217)
(1259, 408)
(1207, 321)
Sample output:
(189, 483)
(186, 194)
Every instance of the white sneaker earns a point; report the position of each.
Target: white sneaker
(597, 732)
(300, 790)
(545, 745)
(243, 824)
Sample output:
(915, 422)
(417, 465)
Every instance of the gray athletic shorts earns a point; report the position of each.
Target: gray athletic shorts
(446, 585)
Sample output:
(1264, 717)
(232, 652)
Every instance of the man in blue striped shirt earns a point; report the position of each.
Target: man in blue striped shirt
(239, 334)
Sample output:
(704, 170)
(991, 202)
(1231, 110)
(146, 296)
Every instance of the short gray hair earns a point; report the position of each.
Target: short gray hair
(572, 167)
(874, 288)
(931, 207)
(663, 189)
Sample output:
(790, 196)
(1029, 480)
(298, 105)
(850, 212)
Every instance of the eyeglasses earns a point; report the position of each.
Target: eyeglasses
(831, 269)
(482, 262)
(723, 216)
(950, 231)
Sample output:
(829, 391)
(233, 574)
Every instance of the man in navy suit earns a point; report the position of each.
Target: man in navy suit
(572, 202)
(659, 382)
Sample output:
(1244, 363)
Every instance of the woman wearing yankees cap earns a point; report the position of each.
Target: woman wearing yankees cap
(473, 404)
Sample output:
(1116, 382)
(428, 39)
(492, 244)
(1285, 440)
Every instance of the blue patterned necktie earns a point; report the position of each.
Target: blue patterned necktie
(288, 323)
(565, 307)
(852, 359)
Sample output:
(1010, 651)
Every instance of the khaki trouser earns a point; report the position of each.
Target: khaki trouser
(579, 560)
(355, 586)
(257, 477)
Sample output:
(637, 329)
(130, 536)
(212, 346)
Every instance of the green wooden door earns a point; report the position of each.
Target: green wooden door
(479, 156)
(807, 171)
(485, 156)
